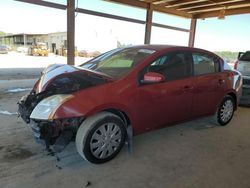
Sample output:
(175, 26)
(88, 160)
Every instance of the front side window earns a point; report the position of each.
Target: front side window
(204, 64)
(173, 66)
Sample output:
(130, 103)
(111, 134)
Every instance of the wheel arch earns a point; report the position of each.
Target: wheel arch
(232, 94)
(120, 114)
(127, 122)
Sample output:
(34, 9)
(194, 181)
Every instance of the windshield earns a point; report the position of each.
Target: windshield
(118, 62)
(245, 56)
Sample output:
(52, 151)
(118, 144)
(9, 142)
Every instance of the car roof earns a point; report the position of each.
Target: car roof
(159, 47)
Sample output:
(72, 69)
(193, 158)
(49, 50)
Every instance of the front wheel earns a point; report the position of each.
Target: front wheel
(100, 137)
(225, 111)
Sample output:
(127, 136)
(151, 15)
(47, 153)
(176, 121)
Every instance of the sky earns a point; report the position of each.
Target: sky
(102, 34)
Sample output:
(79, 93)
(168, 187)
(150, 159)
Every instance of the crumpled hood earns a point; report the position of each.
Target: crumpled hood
(66, 77)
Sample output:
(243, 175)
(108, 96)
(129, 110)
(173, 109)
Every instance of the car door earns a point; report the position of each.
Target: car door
(170, 101)
(209, 83)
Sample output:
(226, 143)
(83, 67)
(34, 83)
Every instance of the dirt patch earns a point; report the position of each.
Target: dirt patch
(14, 152)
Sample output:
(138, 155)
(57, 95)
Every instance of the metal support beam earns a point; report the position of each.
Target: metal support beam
(192, 33)
(148, 26)
(45, 3)
(70, 32)
(24, 40)
(105, 15)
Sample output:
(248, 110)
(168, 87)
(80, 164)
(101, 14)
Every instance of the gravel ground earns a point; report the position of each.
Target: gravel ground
(191, 155)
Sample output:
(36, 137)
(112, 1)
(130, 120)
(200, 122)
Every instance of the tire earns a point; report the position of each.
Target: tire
(100, 137)
(225, 111)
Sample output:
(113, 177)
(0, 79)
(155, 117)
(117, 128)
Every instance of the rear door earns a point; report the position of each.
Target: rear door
(209, 83)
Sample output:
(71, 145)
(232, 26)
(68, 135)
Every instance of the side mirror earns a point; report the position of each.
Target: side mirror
(152, 77)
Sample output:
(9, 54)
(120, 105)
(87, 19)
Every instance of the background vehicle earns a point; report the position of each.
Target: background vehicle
(126, 92)
(3, 49)
(243, 66)
(38, 49)
(22, 49)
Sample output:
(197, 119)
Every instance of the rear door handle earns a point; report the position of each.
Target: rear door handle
(187, 88)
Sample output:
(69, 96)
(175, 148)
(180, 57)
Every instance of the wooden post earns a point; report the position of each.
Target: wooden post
(70, 32)
(192, 33)
(148, 24)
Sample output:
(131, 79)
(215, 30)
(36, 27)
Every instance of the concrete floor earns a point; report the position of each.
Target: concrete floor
(191, 155)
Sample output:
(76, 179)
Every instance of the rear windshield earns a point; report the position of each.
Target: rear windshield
(245, 57)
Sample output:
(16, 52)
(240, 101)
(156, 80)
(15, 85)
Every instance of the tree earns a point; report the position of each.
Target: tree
(2, 33)
(227, 54)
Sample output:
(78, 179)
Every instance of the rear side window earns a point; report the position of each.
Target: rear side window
(245, 56)
(204, 64)
(173, 66)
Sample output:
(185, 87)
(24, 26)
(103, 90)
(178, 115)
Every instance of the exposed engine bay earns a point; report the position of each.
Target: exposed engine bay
(56, 79)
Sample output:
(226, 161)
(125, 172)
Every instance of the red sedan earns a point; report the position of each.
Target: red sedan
(125, 92)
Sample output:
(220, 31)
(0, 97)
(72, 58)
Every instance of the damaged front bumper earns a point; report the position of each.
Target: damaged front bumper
(57, 132)
(25, 108)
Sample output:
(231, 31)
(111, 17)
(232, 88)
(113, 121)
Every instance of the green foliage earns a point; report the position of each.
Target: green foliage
(227, 54)
(2, 33)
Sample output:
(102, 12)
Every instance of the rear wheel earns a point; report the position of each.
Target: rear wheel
(100, 137)
(225, 111)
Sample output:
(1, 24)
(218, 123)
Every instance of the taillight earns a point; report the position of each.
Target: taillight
(236, 65)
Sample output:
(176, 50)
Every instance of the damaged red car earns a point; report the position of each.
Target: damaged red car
(125, 92)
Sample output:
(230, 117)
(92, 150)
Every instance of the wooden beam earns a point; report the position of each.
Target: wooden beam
(192, 33)
(195, 5)
(219, 7)
(148, 25)
(160, 2)
(44, 3)
(70, 32)
(133, 3)
(141, 4)
(171, 11)
(210, 14)
(183, 2)
(205, 4)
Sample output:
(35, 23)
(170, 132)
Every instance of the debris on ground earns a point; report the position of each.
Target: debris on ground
(59, 167)
(5, 112)
(15, 90)
(88, 183)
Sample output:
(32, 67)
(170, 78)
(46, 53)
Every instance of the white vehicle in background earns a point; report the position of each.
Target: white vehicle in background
(243, 66)
(22, 49)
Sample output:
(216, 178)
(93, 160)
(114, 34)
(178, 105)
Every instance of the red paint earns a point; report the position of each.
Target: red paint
(153, 106)
(153, 77)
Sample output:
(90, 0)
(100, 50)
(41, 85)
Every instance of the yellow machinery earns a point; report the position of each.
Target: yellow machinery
(39, 49)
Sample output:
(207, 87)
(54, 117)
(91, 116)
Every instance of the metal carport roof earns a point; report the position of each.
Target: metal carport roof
(191, 9)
